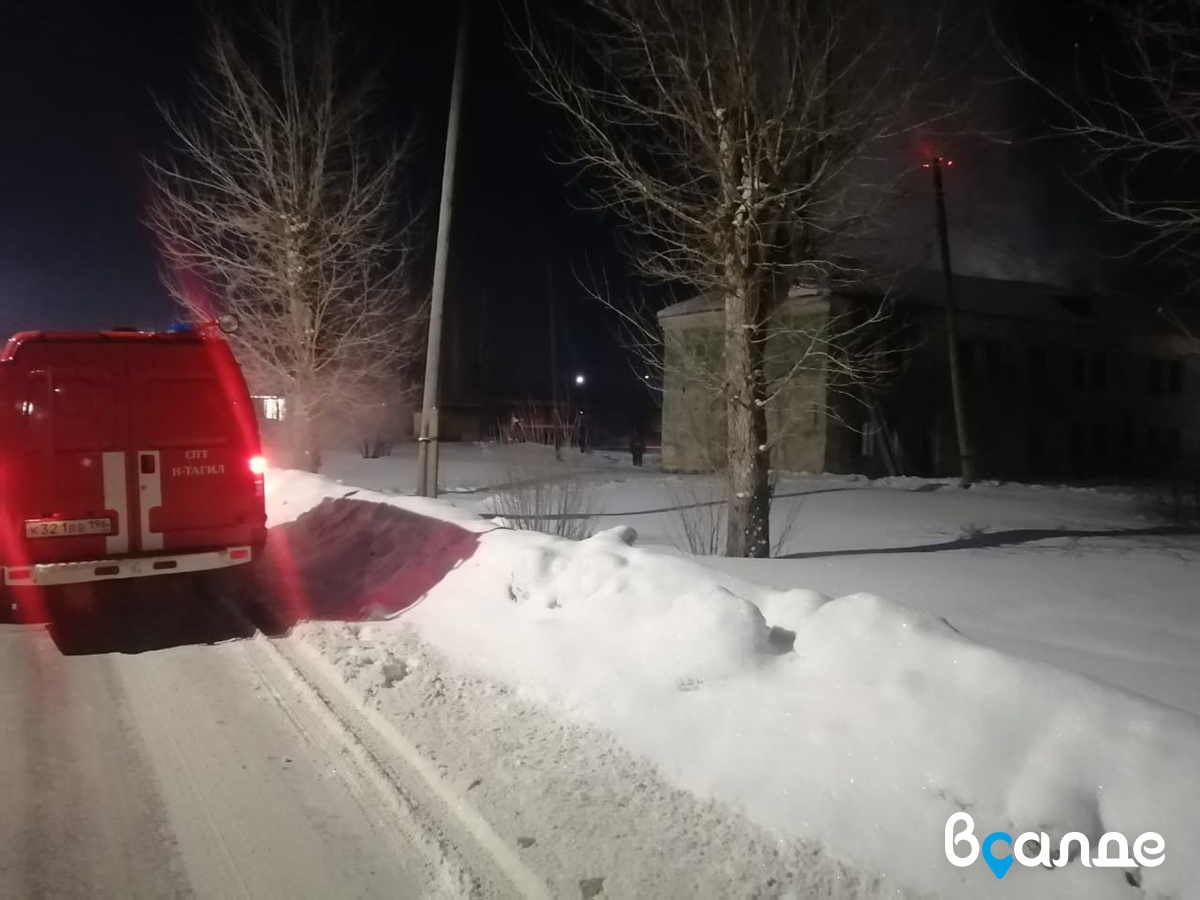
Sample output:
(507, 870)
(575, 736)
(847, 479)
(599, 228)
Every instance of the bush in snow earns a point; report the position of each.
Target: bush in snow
(698, 503)
(552, 501)
(1179, 500)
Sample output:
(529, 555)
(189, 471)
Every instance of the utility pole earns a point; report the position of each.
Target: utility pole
(555, 423)
(965, 455)
(427, 447)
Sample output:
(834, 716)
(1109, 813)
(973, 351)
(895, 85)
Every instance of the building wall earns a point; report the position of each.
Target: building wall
(1045, 400)
(799, 422)
(693, 411)
(693, 415)
(1049, 401)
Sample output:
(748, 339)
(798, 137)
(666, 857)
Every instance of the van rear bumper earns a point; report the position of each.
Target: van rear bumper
(110, 569)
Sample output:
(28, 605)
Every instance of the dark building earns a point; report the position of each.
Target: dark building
(1058, 385)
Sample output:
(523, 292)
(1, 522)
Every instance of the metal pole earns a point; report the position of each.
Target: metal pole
(966, 458)
(554, 373)
(427, 448)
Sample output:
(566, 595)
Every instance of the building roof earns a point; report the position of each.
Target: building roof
(701, 303)
(1020, 300)
(713, 302)
(990, 297)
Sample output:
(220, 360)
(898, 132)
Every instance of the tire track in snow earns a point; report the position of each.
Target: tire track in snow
(365, 778)
(262, 801)
(471, 857)
(201, 837)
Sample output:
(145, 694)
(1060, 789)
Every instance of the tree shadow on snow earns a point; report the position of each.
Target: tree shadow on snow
(985, 540)
(350, 561)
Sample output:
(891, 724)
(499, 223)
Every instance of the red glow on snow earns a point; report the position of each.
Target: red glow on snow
(289, 600)
(14, 551)
(351, 561)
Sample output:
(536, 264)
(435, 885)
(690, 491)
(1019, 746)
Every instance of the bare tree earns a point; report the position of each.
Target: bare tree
(276, 203)
(735, 140)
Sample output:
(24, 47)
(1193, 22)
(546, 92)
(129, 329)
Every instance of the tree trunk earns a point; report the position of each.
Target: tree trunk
(748, 524)
(304, 442)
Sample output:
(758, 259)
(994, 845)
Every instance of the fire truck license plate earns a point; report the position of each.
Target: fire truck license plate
(45, 528)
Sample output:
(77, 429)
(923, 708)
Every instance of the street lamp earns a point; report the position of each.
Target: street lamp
(580, 381)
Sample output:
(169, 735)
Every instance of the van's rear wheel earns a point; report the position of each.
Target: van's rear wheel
(235, 585)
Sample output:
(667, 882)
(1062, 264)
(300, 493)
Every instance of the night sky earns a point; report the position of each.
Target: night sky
(78, 112)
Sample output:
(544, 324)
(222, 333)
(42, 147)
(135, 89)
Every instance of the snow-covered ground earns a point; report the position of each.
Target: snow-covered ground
(847, 729)
(1084, 579)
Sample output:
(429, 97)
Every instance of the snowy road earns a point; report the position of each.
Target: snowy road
(196, 769)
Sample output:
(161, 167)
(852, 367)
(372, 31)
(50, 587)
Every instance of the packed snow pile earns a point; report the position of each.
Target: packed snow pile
(853, 721)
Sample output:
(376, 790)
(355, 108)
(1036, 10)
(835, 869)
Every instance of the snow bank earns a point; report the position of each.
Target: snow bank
(853, 721)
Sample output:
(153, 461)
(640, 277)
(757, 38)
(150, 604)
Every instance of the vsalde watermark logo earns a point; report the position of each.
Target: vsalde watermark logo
(1112, 850)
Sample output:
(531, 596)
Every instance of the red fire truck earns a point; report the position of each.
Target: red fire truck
(125, 454)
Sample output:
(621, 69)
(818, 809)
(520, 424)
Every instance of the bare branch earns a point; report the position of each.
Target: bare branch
(1138, 118)
(734, 140)
(276, 202)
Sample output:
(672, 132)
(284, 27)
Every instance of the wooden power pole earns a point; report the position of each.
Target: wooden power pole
(556, 424)
(965, 454)
(427, 447)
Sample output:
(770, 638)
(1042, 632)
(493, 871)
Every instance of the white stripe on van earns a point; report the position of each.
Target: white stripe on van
(116, 498)
(150, 496)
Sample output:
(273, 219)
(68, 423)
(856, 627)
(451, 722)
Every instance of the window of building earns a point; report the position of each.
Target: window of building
(1037, 364)
(1156, 376)
(966, 356)
(1127, 446)
(1078, 449)
(1099, 371)
(1100, 444)
(1174, 376)
(993, 358)
(1078, 370)
(273, 408)
(1171, 446)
